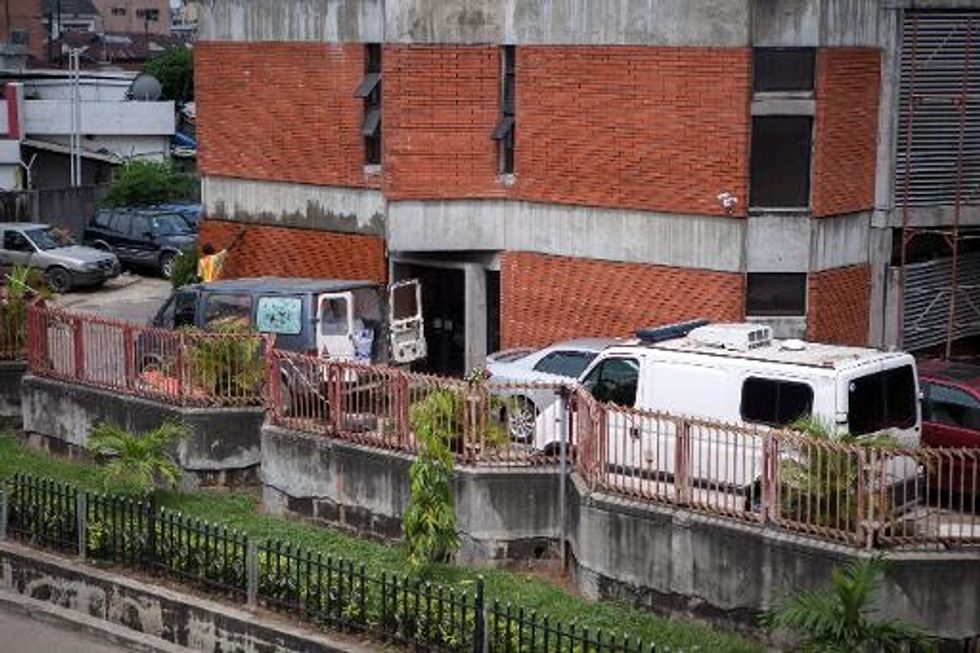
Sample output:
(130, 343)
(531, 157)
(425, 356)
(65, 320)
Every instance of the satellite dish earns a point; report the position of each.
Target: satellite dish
(145, 88)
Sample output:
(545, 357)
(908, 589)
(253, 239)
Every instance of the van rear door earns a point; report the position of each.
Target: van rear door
(334, 326)
(405, 321)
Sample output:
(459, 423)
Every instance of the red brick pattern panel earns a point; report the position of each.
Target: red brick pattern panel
(282, 252)
(663, 129)
(548, 298)
(846, 133)
(440, 106)
(839, 305)
(281, 111)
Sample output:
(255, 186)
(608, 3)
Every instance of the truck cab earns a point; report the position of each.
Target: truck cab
(344, 320)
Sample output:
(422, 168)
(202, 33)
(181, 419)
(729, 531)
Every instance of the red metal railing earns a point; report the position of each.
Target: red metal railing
(179, 367)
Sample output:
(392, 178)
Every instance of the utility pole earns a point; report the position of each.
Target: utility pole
(75, 140)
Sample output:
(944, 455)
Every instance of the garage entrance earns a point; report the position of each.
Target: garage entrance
(444, 314)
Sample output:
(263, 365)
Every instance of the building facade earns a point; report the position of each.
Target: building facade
(135, 16)
(559, 168)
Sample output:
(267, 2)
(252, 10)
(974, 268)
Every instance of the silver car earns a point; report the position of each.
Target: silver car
(65, 265)
(561, 362)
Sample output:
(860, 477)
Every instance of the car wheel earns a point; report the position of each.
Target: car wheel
(522, 416)
(167, 264)
(58, 280)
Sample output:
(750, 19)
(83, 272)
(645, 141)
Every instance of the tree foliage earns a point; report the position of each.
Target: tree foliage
(133, 463)
(139, 182)
(185, 267)
(175, 71)
(840, 619)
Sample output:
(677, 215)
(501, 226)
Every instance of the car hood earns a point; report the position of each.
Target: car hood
(81, 254)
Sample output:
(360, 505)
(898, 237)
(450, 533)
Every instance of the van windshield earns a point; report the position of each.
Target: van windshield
(881, 401)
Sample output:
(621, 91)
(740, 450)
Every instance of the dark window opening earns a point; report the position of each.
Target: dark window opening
(780, 168)
(775, 294)
(370, 90)
(565, 363)
(882, 400)
(950, 406)
(493, 310)
(14, 241)
(503, 133)
(783, 69)
(775, 403)
(614, 380)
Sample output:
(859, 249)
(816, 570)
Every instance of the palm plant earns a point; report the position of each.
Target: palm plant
(841, 619)
(22, 284)
(133, 463)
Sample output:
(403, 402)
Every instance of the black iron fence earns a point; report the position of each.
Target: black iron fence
(335, 593)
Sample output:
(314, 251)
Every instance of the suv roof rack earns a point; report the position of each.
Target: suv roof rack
(651, 335)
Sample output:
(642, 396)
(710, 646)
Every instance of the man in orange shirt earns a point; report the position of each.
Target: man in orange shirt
(210, 264)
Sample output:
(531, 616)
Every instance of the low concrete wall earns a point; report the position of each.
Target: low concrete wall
(188, 621)
(680, 563)
(502, 514)
(11, 373)
(223, 448)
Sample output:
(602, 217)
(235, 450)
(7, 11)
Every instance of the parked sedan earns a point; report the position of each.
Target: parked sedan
(561, 362)
(141, 237)
(951, 418)
(65, 265)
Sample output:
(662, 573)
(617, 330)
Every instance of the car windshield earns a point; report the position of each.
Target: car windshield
(170, 225)
(45, 238)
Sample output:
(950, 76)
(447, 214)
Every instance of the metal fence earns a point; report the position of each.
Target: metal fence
(331, 592)
(180, 367)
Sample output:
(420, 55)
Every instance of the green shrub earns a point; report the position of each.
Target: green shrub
(134, 463)
(184, 271)
(226, 364)
(22, 284)
(174, 69)
(141, 182)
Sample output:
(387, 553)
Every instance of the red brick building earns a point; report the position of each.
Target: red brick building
(554, 168)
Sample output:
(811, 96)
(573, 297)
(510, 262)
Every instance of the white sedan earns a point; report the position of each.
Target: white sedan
(560, 363)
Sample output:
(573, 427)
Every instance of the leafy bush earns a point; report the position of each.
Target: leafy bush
(141, 182)
(838, 619)
(430, 519)
(133, 463)
(23, 284)
(184, 270)
(175, 71)
(224, 363)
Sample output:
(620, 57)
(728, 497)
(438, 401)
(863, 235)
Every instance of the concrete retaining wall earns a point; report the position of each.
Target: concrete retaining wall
(184, 620)
(223, 448)
(11, 373)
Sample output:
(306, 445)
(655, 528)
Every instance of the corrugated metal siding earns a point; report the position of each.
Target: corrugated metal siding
(927, 292)
(940, 56)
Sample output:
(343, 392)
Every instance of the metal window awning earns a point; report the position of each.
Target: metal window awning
(105, 157)
(503, 128)
(372, 120)
(367, 85)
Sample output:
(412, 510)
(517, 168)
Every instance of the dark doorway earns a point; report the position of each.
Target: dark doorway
(493, 310)
(443, 311)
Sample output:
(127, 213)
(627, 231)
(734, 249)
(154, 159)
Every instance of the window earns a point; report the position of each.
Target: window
(148, 14)
(227, 311)
(780, 167)
(776, 403)
(139, 227)
(775, 294)
(102, 219)
(565, 363)
(44, 239)
(614, 380)
(783, 69)
(170, 224)
(333, 317)
(503, 133)
(370, 90)
(14, 241)
(279, 315)
(185, 309)
(882, 400)
(118, 11)
(951, 406)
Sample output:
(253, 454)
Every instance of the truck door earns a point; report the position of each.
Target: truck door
(334, 326)
(405, 320)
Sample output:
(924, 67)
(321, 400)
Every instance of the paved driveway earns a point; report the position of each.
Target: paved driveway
(128, 297)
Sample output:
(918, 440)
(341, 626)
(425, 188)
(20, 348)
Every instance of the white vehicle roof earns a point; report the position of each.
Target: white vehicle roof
(721, 340)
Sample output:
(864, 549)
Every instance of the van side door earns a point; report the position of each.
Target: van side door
(334, 326)
(405, 322)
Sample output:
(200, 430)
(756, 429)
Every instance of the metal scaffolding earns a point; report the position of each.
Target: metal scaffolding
(945, 108)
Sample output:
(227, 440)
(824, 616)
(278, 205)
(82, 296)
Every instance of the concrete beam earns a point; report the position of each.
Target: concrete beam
(286, 204)
(815, 23)
(334, 21)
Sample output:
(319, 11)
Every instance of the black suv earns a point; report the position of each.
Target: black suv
(141, 237)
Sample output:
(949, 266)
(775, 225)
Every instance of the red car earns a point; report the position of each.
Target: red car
(951, 418)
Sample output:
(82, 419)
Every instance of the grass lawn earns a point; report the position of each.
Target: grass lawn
(240, 511)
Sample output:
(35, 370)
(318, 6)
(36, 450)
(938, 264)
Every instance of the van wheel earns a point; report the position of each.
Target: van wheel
(167, 264)
(522, 416)
(58, 280)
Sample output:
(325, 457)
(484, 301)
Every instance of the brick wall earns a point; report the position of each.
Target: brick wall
(846, 132)
(281, 111)
(440, 106)
(278, 251)
(839, 304)
(547, 298)
(664, 129)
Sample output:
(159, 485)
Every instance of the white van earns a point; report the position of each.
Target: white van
(739, 374)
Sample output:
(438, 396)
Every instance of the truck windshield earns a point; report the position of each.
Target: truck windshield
(881, 401)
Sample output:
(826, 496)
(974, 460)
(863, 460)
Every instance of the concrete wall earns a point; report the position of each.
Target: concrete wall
(53, 117)
(191, 622)
(334, 21)
(501, 514)
(11, 373)
(223, 448)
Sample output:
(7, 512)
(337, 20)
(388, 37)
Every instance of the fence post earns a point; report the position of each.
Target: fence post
(150, 555)
(129, 345)
(564, 423)
(180, 367)
(78, 340)
(682, 460)
(3, 514)
(81, 519)
(480, 640)
(252, 573)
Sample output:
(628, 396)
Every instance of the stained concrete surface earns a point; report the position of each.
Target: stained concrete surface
(128, 297)
(23, 634)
